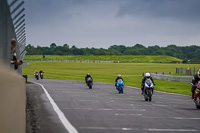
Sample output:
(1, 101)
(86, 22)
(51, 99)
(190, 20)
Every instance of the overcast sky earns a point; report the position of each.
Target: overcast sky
(102, 23)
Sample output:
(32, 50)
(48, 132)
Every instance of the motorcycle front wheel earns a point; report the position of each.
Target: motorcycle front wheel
(150, 94)
(197, 103)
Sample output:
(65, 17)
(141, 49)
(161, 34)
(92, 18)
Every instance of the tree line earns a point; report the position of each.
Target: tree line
(187, 53)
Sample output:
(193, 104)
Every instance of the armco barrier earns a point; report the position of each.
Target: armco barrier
(12, 101)
(186, 79)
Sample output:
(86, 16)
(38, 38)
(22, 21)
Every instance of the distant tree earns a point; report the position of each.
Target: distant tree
(139, 46)
(189, 52)
(29, 48)
(120, 48)
(153, 50)
(53, 45)
(66, 46)
(86, 51)
(76, 51)
(59, 50)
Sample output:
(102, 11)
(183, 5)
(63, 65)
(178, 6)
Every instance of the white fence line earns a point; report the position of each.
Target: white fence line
(81, 61)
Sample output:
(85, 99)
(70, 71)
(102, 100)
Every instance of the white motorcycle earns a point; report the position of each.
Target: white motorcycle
(148, 90)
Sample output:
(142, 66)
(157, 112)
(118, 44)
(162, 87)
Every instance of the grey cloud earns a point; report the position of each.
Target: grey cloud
(179, 9)
(95, 23)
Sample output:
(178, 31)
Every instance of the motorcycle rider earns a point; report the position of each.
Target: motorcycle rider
(195, 79)
(147, 76)
(36, 74)
(87, 76)
(120, 85)
(118, 77)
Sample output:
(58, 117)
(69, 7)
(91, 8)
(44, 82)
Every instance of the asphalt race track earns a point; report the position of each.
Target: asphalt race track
(103, 110)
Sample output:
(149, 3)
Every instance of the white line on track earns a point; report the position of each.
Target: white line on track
(106, 109)
(108, 128)
(171, 130)
(127, 129)
(132, 129)
(129, 114)
(182, 118)
(123, 109)
(83, 108)
(68, 126)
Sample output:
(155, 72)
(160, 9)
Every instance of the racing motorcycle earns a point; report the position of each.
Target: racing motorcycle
(41, 75)
(120, 86)
(148, 90)
(89, 82)
(197, 95)
(36, 75)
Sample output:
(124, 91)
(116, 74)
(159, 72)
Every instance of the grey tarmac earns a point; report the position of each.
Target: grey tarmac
(103, 110)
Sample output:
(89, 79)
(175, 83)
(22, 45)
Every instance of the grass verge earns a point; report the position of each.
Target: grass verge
(107, 72)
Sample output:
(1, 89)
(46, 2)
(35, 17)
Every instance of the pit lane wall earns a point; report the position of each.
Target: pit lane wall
(12, 85)
(12, 101)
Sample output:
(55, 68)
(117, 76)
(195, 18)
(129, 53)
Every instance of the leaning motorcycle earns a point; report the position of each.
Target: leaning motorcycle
(148, 90)
(120, 86)
(197, 95)
(89, 82)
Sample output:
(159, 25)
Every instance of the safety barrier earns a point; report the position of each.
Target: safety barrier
(186, 79)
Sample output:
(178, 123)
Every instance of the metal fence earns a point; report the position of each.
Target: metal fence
(187, 71)
(12, 25)
(81, 61)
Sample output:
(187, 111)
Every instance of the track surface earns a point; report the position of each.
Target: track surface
(103, 110)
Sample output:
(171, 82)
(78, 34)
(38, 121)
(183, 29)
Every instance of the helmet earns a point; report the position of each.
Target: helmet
(118, 75)
(88, 74)
(147, 75)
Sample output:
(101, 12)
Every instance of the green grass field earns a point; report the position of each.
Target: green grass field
(115, 58)
(107, 72)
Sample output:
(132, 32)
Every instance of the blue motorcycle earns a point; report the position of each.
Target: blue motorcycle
(120, 86)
